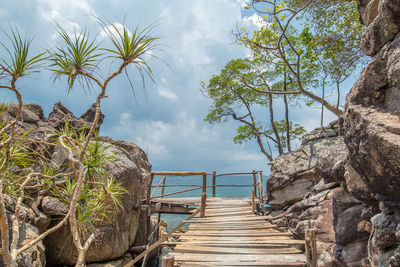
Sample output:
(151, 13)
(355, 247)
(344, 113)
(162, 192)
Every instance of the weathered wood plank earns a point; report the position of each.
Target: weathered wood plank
(251, 218)
(276, 258)
(275, 242)
(227, 229)
(235, 234)
(227, 214)
(186, 248)
(241, 264)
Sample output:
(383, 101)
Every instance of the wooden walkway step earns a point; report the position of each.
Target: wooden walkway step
(231, 235)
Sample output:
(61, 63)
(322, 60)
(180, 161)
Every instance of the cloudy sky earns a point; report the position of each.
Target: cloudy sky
(167, 120)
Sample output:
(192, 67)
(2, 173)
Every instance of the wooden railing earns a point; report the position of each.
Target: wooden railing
(162, 183)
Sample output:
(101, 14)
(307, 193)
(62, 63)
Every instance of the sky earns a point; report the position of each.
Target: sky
(165, 119)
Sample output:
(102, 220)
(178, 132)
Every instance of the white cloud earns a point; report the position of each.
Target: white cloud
(203, 25)
(247, 156)
(65, 13)
(167, 93)
(254, 19)
(110, 29)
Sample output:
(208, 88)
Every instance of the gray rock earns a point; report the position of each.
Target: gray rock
(346, 227)
(34, 256)
(52, 206)
(352, 254)
(385, 232)
(293, 174)
(27, 115)
(383, 28)
(321, 186)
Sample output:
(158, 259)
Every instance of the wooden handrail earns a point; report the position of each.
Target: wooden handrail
(208, 186)
(168, 173)
(162, 239)
(178, 192)
(234, 173)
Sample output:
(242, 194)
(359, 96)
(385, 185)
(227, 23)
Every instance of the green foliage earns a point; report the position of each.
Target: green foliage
(19, 63)
(15, 159)
(296, 131)
(100, 194)
(79, 56)
(131, 49)
(3, 107)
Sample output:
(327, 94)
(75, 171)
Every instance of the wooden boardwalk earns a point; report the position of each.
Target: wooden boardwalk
(231, 235)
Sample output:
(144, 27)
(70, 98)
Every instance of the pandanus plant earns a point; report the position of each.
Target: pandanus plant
(78, 59)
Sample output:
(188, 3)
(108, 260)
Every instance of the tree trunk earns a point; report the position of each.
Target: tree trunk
(271, 117)
(286, 114)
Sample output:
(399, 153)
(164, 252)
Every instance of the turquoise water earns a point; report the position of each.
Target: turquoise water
(174, 219)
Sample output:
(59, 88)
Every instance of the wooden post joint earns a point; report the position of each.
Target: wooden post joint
(168, 261)
(311, 248)
(203, 204)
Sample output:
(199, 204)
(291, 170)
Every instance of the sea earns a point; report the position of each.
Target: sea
(173, 220)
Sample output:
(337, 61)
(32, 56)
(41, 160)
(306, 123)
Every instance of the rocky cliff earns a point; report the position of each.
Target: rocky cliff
(344, 181)
(114, 237)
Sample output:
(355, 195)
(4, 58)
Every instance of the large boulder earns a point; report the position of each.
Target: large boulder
(114, 236)
(293, 174)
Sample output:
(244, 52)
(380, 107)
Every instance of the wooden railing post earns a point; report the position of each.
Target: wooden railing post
(203, 204)
(149, 192)
(255, 182)
(163, 186)
(204, 183)
(311, 248)
(214, 182)
(260, 196)
(253, 200)
(168, 261)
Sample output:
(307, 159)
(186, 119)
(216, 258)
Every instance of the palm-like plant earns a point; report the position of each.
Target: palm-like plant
(78, 59)
(79, 56)
(131, 47)
(19, 63)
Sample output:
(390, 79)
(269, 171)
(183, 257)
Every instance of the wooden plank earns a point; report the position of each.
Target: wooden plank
(228, 214)
(229, 232)
(231, 228)
(238, 218)
(273, 242)
(234, 234)
(185, 248)
(234, 223)
(276, 258)
(234, 238)
(241, 264)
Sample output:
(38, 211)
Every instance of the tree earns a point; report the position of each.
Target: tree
(317, 41)
(302, 49)
(87, 190)
(241, 87)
